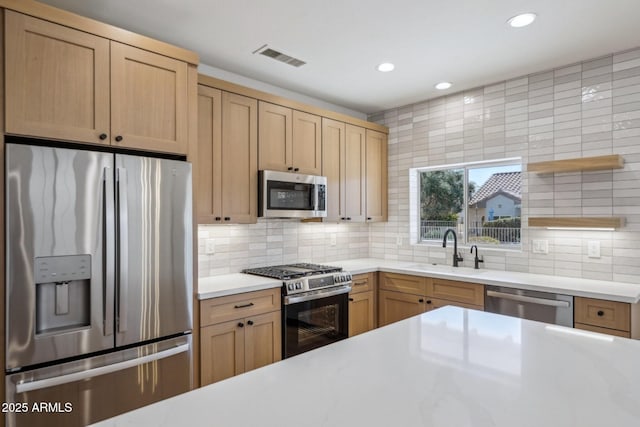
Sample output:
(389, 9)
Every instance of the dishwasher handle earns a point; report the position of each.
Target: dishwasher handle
(532, 300)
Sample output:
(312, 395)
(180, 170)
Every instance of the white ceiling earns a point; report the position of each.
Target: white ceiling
(466, 42)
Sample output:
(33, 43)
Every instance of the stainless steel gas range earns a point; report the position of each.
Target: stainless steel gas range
(315, 301)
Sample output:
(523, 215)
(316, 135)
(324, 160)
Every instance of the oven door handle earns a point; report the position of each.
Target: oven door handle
(293, 299)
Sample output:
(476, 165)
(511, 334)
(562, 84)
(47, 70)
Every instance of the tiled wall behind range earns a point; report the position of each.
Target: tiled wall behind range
(276, 241)
(586, 109)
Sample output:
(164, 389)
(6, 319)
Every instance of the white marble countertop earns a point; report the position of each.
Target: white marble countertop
(448, 367)
(228, 284)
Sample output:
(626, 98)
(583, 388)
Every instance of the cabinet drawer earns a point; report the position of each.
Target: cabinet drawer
(452, 290)
(592, 328)
(433, 303)
(222, 309)
(361, 283)
(605, 314)
(403, 283)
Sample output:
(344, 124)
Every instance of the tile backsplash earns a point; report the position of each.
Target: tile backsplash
(277, 241)
(586, 109)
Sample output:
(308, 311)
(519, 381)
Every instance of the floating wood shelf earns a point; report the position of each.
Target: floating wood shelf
(577, 222)
(614, 161)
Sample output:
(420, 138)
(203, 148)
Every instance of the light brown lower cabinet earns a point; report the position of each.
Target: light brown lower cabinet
(362, 304)
(608, 317)
(243, 337)
(402, 296)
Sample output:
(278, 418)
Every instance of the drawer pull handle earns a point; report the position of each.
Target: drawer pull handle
(250, 322)
(243, 305)
(241, 325)
(600, 313)
(360, 283)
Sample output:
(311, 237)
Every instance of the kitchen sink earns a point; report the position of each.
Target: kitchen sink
(446, 269)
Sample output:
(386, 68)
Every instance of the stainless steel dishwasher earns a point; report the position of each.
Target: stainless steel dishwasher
(533, 305)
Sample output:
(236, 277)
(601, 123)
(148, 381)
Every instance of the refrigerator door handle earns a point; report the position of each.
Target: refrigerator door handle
(123, 248)
(109, 251)
(90, 373)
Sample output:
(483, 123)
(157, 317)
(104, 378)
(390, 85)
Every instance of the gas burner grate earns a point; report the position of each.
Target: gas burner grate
(292, 271)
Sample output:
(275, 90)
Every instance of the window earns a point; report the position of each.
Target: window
(480, 200)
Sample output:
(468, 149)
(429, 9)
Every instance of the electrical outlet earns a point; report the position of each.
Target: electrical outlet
(333, 239)
(210, 246)
(593, 249)
(540, 246)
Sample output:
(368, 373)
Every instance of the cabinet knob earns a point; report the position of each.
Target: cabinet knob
(240, 324)
(348, 218)
(103, 136)
(369, 218)
(600, 313)
(350, 299)
(250, 322)
(218, 218)
(296, 169)
(290, 168)
(343, 218)
(428, 301)
(420, 300)
(226, 218)
(119, 138)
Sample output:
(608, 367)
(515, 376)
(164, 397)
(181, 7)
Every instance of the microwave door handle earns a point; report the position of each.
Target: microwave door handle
(314, 196)
(108, 266)
(123, 249)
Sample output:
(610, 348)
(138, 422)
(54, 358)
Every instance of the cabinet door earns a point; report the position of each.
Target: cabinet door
(361, 312)
(239, 161)
(376, 176)
(354, 167)
(333, 140)
(57, 81)
(275, 133)
(307, 143)
(263, 342)
(222, 351)
(209, 158)
(394, 306)
(148, 100)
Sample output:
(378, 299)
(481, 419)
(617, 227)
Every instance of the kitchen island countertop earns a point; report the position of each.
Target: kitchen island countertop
(448, 367)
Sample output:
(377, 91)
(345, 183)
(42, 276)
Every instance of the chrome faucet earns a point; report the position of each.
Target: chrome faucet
(476, 260)
(456, 256)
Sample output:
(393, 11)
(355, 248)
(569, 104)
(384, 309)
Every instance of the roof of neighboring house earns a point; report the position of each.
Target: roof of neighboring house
(507, 183)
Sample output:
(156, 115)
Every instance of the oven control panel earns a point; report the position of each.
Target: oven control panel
(312, 283)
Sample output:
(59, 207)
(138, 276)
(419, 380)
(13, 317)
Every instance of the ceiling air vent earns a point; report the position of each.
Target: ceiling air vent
(279, 56)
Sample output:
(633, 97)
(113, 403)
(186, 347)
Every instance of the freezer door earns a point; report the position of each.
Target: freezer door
(154, 248)
(60, 253)
(90, 390)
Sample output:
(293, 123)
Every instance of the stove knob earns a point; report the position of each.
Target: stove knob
(299, 285)
(290, 286)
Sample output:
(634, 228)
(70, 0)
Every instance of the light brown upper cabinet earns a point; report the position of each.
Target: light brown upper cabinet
(67, 84)
(289, 140)
(227, 157)
(376, 175)
(355, 164)
(333, 140)
(148, 100)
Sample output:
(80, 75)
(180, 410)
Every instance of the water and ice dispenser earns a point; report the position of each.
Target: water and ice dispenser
(63, 297)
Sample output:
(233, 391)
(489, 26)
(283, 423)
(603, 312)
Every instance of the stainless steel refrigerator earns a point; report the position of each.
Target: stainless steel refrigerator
(98, 283)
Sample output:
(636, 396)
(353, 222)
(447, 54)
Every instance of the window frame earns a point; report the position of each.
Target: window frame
(415, 201)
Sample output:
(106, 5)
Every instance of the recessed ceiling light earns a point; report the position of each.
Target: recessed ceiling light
(522, 20)
(385, 67)
(443, 85)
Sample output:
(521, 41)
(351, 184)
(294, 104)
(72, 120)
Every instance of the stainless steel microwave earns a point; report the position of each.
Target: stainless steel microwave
(291, 195)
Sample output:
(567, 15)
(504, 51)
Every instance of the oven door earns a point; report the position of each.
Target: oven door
(314, 323)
